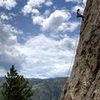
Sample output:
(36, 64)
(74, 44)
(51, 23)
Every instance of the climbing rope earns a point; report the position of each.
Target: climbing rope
(73, 56)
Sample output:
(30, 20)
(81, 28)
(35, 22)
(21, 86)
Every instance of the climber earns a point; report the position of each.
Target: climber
(79, 14)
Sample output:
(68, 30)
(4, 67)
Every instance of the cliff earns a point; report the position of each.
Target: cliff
(84, 83)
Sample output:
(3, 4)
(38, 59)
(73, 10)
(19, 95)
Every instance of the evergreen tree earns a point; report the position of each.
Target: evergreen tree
(16, 87)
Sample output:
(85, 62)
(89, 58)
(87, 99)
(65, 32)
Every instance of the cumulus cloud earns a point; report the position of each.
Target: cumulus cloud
(46, 13)
(48, 21)
(48, 3)
(55, 19)
(58, 21)
(81, 7)
(47, 56)
(6, 17)
(34, 4)
(8, 42)
(40, 56)
(3, 16)
(8, 4)
(2, 72)
(77, 1)
(38, 20)
(84, 2)
(69, 26)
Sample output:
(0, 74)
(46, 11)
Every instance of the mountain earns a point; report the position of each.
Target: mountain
(48, 89)
(84, 83)
(45, 89)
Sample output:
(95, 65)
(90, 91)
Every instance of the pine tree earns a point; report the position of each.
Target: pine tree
(16, 87)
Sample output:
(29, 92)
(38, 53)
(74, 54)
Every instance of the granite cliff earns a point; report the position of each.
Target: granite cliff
(84, 83)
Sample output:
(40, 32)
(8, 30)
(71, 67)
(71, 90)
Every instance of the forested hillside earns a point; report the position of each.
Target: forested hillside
(45, 89)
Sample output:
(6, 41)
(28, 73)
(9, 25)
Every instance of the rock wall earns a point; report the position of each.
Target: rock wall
(84, 83)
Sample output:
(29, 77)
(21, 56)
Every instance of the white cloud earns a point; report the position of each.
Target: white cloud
(32, 4)
(84, 2)
(39, 56)
(27, 9)
(8, 43)
(48, 3)
(35, 12)
(46, 13)
(56, 22)
(8, 4)
(77, 1)
(81, 3)
(55, 19)
(69, 26)
(35, 4)
(45, 57)
(3, 16)
(2, 72)
(81, 7)
(38, 20)
(6, 17)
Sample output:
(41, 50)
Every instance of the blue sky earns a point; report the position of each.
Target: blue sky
(39, 36)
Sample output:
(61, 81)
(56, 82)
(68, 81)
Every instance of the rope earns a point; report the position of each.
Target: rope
(70, 67)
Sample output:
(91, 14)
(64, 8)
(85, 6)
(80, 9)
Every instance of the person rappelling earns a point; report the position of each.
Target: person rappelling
(79, 14)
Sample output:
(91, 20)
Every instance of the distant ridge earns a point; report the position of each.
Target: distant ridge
(45, 89)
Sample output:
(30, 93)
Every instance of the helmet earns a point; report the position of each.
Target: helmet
(78, 9)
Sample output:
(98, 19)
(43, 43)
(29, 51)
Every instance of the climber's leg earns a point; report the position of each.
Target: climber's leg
(81, 17)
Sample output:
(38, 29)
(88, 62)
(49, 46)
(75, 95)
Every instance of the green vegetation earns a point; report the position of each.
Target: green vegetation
(15, 87)
(44, 89)
(47, 89)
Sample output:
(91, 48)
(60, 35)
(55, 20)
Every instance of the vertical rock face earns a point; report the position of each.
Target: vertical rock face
(84, 83)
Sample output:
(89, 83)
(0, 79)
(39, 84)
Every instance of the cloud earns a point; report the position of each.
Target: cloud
(8, 4)
(46, 13)
(55, 19)
(77, 1)
(8, 43)
(6, 17)
(69, 26)
(84, 2)
(48, 3)
(3, 16)
(45, 57)
(81, 7)
(80, 3)
(35, 4)
(40, 56)
(2, 72)
(32, 4)
(38, 20)
(58, 21)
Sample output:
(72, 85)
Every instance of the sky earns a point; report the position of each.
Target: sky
(39, 37)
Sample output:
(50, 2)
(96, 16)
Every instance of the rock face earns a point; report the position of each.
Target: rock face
(84, 83)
